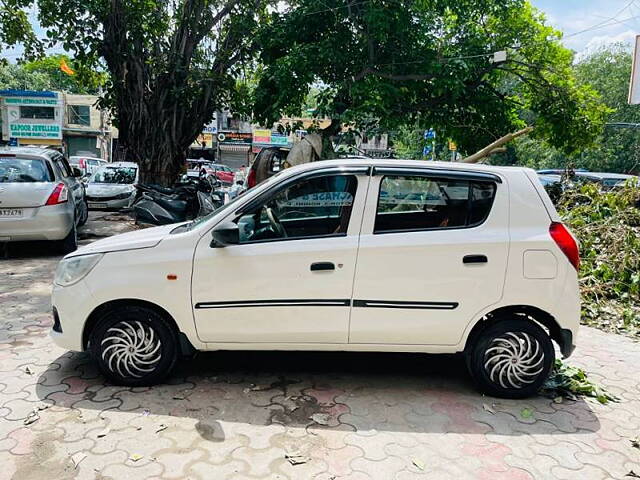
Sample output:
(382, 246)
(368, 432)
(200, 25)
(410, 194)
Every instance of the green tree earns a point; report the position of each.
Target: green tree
(82, 82)
(615, 149)
(427, 63)
(15, 76)
(170, 65)
(15, 28)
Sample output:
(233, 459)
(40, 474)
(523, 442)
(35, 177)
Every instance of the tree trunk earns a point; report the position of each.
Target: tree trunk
(161, 95)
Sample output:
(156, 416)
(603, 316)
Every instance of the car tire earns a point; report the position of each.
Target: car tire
(511, 358)
(134, 346)
(85, 214)
(69, 243)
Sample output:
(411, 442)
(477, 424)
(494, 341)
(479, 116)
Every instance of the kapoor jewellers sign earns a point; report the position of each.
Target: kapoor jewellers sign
(31, 116)
(35, 130)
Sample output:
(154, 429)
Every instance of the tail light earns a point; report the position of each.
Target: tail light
(60, 194)
(565, 241)
(82, 163)
(251, 178)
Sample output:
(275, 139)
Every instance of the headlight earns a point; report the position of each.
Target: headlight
(74, 269)
(122, 196)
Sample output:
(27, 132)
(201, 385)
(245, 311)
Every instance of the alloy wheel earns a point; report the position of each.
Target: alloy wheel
(131, 349)
(514, 360)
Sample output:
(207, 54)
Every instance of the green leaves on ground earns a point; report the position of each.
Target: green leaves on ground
(568, 381)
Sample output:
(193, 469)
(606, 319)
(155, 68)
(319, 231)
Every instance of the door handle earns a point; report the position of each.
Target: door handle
(319, 266)
(474, 259)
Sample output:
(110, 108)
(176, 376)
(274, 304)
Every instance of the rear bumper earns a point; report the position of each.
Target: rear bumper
(50, 222)
(566, 342)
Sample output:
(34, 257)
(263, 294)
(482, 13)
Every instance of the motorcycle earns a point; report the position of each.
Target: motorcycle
(184, 201)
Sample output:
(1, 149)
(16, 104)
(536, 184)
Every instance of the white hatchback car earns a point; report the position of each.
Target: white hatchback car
(360, 255)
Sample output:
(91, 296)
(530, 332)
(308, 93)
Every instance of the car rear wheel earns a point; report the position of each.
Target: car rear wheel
(69, 243)
(134, 346)
(511, 359)
(85, 214)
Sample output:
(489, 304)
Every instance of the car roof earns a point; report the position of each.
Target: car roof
(30, 151)
(469, 167)
(604, 175)
(121, 164)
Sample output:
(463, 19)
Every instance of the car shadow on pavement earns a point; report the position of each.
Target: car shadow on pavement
(315, 390)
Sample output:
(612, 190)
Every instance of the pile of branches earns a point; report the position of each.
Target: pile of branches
(607, 225)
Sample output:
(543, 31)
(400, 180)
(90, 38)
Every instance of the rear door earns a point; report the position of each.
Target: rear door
(433, 253)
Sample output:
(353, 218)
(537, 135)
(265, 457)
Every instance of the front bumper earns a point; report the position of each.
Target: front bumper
(50, 222)
(97, 203)
(72, 305)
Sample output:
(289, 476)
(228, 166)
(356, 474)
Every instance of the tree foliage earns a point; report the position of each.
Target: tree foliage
(15, 27)
(427, 62)
(615, 149)
(170, 65)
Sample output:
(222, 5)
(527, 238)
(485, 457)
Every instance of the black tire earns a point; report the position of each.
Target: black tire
(85, 214)
(69, 243)
(511, 358)
(263, 168)
(111, 345)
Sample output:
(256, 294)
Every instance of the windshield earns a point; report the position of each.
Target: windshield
(120, 175)
(185, 227)
(22, 170)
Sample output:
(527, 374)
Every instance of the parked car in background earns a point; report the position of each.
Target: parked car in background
(113, 186)
(347, 255)
(41, 197)
(87, 165)
(607, 181)
(223, 173)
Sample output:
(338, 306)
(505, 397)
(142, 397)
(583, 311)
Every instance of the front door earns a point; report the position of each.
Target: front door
(291, 277)
(433, 254)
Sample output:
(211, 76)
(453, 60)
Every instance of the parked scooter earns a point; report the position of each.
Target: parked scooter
(159, 205)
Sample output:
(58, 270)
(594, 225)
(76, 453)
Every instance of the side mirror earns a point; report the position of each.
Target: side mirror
(76, 172)
(224, 234)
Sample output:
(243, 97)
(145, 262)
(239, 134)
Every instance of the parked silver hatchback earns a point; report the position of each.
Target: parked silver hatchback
(41, 197)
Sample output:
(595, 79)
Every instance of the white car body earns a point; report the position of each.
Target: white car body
(407, 291)
(111, 196)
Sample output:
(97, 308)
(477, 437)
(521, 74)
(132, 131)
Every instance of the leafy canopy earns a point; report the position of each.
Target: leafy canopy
(427, 62)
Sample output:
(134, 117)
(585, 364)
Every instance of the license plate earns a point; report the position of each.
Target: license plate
(10, 212)
(97, 205)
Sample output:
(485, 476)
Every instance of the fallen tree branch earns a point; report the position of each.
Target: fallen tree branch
(489, 149)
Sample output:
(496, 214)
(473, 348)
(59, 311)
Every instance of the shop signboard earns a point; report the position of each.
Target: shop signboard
(235, 138)
(267, 137)
(31, 115)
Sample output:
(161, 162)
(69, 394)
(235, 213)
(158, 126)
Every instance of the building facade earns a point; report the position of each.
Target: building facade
(32, 118)
(72, 124)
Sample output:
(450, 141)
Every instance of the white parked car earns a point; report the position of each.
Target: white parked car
(113, 186)
(360, 255)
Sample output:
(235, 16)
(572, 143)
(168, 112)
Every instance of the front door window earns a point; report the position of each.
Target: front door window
(311, 208)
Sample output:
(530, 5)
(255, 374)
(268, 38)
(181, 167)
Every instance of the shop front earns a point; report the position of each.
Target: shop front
(31, 118)
(234, 149)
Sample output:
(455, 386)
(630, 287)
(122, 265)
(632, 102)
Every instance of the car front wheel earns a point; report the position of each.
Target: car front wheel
(134, 346)
(511, 359)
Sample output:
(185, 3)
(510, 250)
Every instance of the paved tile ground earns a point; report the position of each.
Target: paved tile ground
(250, 415)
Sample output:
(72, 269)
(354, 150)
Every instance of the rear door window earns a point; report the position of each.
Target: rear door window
(22, 170)
(409, 203)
